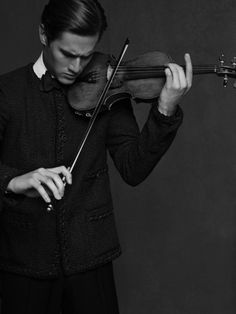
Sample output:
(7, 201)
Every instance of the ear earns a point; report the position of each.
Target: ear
(42, 35)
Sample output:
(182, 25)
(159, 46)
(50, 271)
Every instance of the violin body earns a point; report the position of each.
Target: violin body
(135, 79)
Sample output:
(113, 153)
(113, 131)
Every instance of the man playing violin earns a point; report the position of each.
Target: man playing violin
(60, 261)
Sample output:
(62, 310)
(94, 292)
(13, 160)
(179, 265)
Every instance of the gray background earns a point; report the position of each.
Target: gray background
(178, 228)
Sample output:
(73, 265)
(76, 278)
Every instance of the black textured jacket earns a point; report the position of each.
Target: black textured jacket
(39, 129)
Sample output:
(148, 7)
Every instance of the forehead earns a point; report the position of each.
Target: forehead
(75, 44)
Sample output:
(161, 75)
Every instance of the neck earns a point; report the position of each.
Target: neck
(129, 73)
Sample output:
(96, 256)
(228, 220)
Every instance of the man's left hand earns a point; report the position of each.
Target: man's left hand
(176, 86)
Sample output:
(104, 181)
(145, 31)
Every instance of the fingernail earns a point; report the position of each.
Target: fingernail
(47, 199)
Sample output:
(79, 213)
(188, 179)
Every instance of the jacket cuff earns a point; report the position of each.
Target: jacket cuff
(6, 174)
(175, 119)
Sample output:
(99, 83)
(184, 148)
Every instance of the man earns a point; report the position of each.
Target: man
(60, 261)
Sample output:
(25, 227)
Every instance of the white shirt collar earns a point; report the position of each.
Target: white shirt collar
(39, 67)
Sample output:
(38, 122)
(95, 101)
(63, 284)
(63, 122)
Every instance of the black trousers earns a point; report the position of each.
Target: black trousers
(91, 292)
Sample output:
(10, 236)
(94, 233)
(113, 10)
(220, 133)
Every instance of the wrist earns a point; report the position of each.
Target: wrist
(165, 109)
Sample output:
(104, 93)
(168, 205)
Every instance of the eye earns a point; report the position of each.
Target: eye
(67, 55)
(86, 57)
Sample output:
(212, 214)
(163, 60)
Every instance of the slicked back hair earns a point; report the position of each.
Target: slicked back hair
(80, 17)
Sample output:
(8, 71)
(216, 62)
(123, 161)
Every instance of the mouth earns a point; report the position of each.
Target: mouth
(70, 76)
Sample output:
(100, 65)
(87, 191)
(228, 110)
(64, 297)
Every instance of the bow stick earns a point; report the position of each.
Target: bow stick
(95, 113)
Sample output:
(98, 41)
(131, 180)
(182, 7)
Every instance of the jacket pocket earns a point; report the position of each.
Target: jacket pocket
(102, 233)
(96, 189)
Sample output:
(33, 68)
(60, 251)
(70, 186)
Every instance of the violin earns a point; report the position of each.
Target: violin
(140, 79)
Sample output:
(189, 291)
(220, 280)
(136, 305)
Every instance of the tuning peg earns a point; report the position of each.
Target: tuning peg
(233, 62)
(225, 80)
(222, 59)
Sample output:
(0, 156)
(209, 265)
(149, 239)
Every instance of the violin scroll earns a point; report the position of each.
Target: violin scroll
(226, 70)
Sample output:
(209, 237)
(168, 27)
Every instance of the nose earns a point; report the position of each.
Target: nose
(75, 65)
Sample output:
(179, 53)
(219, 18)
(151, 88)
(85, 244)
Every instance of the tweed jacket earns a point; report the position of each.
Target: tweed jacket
(39, 129)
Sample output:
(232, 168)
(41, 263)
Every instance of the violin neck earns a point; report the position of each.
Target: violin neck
(135, 73)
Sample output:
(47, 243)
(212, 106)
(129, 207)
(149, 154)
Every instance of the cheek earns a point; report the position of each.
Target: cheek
(60, 61)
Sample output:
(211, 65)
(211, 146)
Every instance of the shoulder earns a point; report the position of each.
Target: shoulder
(16, 80)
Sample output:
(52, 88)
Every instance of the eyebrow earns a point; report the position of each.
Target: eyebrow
(76, 55)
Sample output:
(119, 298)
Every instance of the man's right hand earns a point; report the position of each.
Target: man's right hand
(41, 182)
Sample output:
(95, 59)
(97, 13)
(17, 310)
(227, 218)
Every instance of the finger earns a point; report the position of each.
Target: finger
(182, 79)
(175, 69)
(168, 78)
(53, 187)
(189, 70)
(64, 171)
(52, 181)
(58, 181)
(39, 188)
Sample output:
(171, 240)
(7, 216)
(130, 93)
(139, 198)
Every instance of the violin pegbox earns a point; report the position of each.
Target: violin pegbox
(226, 70)
(233, 62)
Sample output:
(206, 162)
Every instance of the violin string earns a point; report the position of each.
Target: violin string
(160, 70)
(154, 71)
(161, 67)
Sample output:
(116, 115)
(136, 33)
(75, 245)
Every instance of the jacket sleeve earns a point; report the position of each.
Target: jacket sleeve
(6, 172)
(136, 153)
